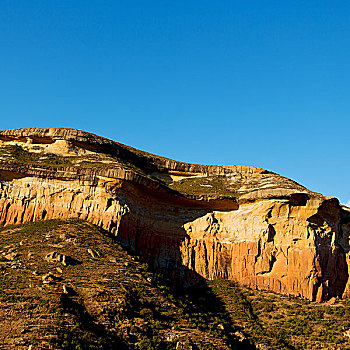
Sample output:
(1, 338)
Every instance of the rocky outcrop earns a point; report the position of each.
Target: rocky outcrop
(241, 223)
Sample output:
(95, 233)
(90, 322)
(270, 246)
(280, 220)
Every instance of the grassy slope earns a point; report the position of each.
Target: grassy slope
(119, 304)
(283, 322)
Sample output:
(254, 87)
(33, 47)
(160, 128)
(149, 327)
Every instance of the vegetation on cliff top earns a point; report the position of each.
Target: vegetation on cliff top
(204, 185)
(209, 185)
(18, 155)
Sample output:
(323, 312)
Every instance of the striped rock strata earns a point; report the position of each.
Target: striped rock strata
(235, 222)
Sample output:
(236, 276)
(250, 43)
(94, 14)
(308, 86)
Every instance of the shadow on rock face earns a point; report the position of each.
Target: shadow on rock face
(190, 292)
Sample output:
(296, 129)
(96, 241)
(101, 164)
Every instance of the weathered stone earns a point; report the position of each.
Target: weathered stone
(95, 254)
(332, 301)
(50, 278)
(256, 227)
(65, 260)
(10, 256)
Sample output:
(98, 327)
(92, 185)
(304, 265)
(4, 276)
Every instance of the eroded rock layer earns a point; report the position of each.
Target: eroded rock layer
(235, 222)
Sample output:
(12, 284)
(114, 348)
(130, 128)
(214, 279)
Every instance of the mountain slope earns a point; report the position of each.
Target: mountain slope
(66, 285)
(195, 221)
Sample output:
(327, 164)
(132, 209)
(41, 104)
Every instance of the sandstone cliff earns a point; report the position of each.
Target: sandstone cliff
(235, 222)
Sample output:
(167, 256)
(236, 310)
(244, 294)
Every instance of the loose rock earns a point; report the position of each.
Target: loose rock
(94, 253)
(50, 278)
(65, 260)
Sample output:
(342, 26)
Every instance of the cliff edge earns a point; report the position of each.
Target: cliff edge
(197, 221)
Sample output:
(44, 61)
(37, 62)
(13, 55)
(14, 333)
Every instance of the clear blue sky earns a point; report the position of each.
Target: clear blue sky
(264, 83)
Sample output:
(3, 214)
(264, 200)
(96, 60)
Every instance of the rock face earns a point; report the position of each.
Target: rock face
(234, 222)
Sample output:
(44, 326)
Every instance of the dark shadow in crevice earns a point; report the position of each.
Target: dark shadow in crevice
(331, 254)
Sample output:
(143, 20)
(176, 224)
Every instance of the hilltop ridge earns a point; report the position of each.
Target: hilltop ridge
(91, 153)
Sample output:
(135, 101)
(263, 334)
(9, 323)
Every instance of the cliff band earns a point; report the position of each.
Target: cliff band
(234, 222)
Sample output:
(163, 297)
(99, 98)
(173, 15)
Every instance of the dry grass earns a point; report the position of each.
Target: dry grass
(283, 322)
(117, 304)
(210, 185)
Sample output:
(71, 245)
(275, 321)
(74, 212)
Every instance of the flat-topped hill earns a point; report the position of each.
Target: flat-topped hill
(194, 221)
(83, 152)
